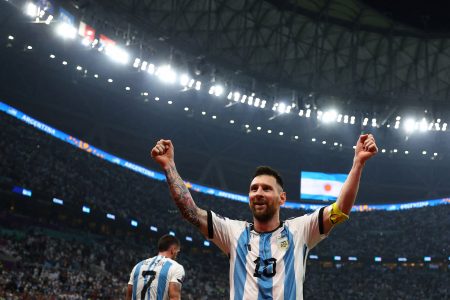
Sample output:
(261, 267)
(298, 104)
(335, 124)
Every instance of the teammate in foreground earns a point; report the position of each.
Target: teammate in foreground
(159, 277)
(268, 256)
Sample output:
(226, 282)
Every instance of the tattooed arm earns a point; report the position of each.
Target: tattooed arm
(163, 154)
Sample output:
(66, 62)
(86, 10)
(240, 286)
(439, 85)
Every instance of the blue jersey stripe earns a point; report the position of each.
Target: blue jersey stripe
(265, 283)
(151, 266)
(240, 273)
(135, 278)
(162, 280)
(290, 282)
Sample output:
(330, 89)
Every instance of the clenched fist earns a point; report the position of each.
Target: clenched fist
(365, 148)
(163, 153)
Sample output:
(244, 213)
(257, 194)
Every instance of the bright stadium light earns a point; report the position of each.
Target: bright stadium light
(257, 102)
(263, 104)
(352, 120)
(49, 20)
(423, 125)
(410, 125)
(230, 95)
(345, 119)
(144, 65)
(281, 108)
(184, 80)
(137, 62)
(151, 69)
(117, 54)
(66, 30)
(198, 85)
(308, 113)
(365, 121)
(330, 116)
(31, 9)
(166, 74)
(444, 127)
(218, 91)
(236, 96)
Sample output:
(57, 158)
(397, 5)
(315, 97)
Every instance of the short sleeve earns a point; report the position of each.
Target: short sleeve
(309, 227)
(178, 274)
(222, 230)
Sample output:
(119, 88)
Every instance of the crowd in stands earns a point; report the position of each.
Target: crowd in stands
(43, 260)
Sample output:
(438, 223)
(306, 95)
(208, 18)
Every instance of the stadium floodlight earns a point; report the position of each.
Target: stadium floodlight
(86, 42)
(184, 80)
(365, 121)
(374, 122)
(308, 113)
(154, 228)
(410, 125)
(117, 54)
(198, 85)
(191, 83)
(319, 114)
(345, 119)
(424, 152)
(10, 37)
(263, 104)
(313, 139)
(339, 118)
(250, 100)
(402, 259)
(330, 116)
(66, 30)
(257, 102)
(188, 238)
(398, 118)
(86, 209)
(58, 201)
(111, 216)
(127, 88)
(395, 150)
(427, 258)
(166, 74)
(31, 9)
(301, 113)
(437, 126)
(435, 154)
(406, 152)
(230, 95)
(313, 256)
(397, 124)
(288, 109)
(337, 258)
(281, 133)
(269, 131)
(151, 69)
(423, 125)
(383, 150)
(134, 223)
(281, 108)
(64, 62)
(244, 97)
(296, 137)
(444, 127)
(236, 96)
(171, 233)
(231, 121)
(79, 68)
(352, 120)
(137, 62)
(186, 108)
(324, 142)
(352, 258)
(144, 65)
(206, 243)
(49, 19)
(110, 80)
(218, 91)
(258, 128)
(29, 47)
(377, 259)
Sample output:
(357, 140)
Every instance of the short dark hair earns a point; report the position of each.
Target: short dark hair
(166, 241)
(266, 170)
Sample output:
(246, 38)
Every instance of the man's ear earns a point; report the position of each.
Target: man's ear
(282, 198)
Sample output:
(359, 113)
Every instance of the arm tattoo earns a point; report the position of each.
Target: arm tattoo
(182, 196)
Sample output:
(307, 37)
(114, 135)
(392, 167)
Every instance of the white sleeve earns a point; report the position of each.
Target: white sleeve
(177, 274)
(221, 230)
(309, 228)
(131, 276)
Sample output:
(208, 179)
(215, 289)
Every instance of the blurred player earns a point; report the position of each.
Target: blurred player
(159, 277)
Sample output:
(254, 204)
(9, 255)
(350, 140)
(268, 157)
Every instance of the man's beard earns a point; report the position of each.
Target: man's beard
(264, 216)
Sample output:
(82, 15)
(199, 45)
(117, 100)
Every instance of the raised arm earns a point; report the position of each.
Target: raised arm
(163, 154)
(365, 149)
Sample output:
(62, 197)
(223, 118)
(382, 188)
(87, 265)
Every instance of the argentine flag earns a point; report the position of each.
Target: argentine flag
(321, 186)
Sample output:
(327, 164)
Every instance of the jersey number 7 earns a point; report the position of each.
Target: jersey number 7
(152, 275)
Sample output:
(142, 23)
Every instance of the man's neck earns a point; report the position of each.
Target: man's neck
(268, 226)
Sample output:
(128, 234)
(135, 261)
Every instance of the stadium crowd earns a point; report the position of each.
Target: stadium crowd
(47, 259)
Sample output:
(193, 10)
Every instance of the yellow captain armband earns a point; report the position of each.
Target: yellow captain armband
(336, 215)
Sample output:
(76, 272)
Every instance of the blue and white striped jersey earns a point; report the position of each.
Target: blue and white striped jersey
(268, 265)
(151, 277)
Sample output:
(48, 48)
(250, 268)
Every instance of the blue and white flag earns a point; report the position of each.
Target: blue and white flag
(321, 186)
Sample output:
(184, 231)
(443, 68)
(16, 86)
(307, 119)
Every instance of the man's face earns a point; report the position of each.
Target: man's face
(265, 197)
